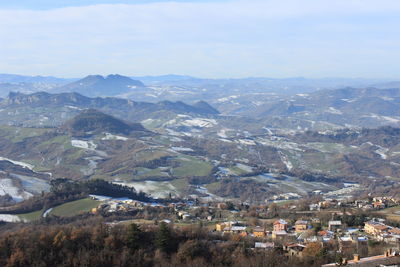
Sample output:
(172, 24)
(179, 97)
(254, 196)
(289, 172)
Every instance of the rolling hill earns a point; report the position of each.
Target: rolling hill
(93, 122)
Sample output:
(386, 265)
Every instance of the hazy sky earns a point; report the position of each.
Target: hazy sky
(271, 38)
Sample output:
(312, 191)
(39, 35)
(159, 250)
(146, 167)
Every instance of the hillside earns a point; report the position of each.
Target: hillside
(45, 109)
(320, 110)
(95, 122)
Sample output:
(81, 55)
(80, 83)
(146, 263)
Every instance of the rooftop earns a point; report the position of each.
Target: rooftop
(298, 222)
(280, 221)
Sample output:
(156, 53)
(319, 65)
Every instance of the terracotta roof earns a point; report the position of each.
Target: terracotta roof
(380, 227)
(395, 231)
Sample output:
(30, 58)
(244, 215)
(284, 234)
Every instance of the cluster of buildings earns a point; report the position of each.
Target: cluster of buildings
(111, 205)
(378, 230)
(375, 203)
(295, 238)
(283, 197)
(351, 242)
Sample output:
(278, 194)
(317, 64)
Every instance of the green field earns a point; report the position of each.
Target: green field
(237, 171)
(142, 172)
(191, 166)
(75, 207)
(16, 134)
(31, 216)
(63, 139)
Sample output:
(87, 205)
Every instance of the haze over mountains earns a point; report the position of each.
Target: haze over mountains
(175, 87)
(295, 103)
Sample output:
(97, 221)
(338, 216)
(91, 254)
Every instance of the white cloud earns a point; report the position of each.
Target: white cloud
(238, 38)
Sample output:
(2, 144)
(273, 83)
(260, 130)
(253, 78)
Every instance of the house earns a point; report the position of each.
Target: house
(367, 207)
(301, 226)
(240, 230)
(294, 249)
(279, 234)
(314, 207)
(379, 199)
(375, 228)
(220, 226)
(259, 232)
(349, 245)
(334, 225)
(95, 210)
(326, 233)
(394, 231)
(326, 204)
(379, 205)
(266, 245)
(186, 217)
(222, 206)
(280, 225)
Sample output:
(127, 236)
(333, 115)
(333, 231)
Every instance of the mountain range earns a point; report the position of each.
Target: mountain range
(47, 109)
(177, 87)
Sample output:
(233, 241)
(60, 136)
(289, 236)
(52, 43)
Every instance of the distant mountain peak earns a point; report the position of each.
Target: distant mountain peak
(97, 85)
(203, 105)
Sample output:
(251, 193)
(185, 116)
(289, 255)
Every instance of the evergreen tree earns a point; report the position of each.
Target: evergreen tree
(163, 238)
(134, 237)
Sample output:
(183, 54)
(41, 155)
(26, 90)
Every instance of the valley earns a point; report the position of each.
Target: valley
(251, 147)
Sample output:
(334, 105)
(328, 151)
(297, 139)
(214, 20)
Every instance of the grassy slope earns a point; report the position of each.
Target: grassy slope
(190, 166)
(17, 134)
(75, 207)
(31, 216)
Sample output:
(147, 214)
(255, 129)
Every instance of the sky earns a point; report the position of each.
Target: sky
(214, 39)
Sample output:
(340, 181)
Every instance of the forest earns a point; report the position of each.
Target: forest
(92, 242)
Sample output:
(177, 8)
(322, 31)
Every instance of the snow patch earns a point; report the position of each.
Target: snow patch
(114, 137)
(19, 163)
(183, 149)
(9, 218)
(84, 144)
(47, 212)
(333, 110)
(387, 118)
(156, 189)
(7, 187)
(200, 122)
(248, 142)
(286, 161)
(222, 133)
(382, 152)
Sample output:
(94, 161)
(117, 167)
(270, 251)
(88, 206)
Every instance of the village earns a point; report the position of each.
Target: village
(351, 231)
